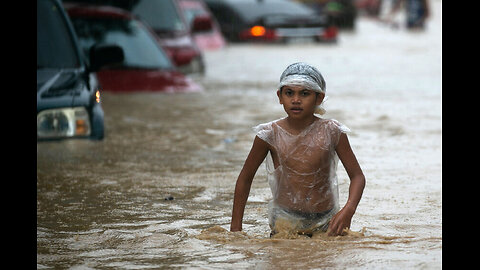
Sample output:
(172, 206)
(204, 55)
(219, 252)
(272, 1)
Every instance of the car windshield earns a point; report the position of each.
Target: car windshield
(161, 15)
(253, 10)
(139, 47)
(55, 46)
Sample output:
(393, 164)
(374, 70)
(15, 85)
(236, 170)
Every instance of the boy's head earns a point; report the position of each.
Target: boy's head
(305, 75)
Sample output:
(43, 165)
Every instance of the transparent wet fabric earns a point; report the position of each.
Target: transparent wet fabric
(303, 73)
(302, 80)
(284, 220)
(301, 172)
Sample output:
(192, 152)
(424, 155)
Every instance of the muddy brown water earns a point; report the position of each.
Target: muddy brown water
(157, 192)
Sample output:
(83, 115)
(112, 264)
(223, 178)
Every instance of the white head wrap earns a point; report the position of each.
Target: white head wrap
(305, 75)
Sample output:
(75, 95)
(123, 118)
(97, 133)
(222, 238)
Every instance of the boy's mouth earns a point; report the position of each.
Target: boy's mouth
(296, 109)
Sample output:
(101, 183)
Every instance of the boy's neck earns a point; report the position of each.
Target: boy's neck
(299, 124)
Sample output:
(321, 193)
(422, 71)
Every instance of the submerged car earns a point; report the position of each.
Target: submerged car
(146, 67)
(173, 32)
(68, 95)
(205, 29)
(341, 13)
(271, 21)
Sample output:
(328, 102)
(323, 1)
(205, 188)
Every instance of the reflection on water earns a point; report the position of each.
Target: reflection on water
(157, 191)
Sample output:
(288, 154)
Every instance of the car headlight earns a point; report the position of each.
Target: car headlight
(63, 122)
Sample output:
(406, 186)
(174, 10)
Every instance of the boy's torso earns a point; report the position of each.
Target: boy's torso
(302, 167)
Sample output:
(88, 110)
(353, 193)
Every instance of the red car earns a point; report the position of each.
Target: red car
(206, 32)
(146, 66)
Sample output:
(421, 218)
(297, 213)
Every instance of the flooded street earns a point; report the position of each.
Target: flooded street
(157, 192)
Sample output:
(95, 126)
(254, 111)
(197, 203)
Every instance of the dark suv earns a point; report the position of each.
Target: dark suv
(68, 96)
(271, 21)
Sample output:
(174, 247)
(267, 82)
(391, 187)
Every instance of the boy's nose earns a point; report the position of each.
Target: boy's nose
(295, 99)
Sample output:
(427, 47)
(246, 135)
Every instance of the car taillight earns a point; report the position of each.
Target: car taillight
(258, 32)
(184, 56)
(181, 56)
(330, 33)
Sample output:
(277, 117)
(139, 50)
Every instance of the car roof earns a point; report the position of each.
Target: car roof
(251, 10)
(88, 10)
(250, 1)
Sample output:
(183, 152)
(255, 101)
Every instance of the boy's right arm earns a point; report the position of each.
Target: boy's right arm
(244, 181)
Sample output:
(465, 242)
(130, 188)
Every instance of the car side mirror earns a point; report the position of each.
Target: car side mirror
(202, 23)
(102, 55)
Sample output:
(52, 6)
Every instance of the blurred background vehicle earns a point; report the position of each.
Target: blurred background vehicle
(68, 96)
(271, 21)
(341, 13)
(145, 67)
(168, 22)
(171, 29)
(206, 33)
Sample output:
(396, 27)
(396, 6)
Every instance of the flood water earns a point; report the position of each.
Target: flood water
(157, 192)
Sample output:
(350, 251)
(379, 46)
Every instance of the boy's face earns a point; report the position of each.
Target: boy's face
(298, 101)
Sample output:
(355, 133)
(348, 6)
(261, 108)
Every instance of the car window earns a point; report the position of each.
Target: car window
(191, 9)
(253, 10)
(55, 44)
(224, 15)
(140, 49)
(161, 15)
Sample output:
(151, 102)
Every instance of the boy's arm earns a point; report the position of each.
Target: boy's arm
(357, 183)
(244, 181)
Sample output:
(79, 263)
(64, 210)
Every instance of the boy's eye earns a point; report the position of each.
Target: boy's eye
(305, 93)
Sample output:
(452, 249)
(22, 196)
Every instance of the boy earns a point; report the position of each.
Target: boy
(304, 151)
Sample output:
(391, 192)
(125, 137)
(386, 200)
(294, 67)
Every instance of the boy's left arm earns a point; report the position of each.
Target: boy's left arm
(343, 218)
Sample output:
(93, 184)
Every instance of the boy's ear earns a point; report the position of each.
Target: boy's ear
(320, 97)
(279, 95)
